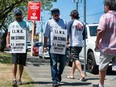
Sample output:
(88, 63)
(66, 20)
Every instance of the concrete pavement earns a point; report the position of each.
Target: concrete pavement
(39, 71)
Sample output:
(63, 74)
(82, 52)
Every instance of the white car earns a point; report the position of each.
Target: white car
(92, 60)
(44, 54)
(28, 46)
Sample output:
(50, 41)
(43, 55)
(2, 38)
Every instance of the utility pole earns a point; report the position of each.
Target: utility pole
(85, 38)
(32, 36)
(41, 30)
(77, 5)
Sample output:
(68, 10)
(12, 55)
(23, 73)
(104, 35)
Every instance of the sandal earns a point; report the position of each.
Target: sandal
(70, 77)
(82, 79)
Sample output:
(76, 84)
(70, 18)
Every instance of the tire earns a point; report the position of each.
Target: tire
(69, 62)
(40, 57)
(91, 64)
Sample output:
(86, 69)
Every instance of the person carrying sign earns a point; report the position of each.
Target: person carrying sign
(16, 41)
(56, 26)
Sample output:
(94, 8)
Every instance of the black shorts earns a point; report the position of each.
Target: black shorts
(19, 58)
(75, 52)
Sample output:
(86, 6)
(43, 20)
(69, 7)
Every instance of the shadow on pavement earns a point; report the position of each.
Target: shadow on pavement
(38, 82)
(74, 83)
(27, 83)
(92, 78)
(110, 72)
(61, 84)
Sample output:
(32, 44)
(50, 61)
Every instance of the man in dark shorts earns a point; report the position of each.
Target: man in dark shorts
(75, 41)
(18, 58)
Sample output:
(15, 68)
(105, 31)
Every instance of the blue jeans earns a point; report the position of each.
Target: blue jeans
(56, 71)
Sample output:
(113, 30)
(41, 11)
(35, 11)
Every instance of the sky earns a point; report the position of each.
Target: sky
(94, 10)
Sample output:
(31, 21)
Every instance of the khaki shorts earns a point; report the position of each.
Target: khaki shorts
(104, 61)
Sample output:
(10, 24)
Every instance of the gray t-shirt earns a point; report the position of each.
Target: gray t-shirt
(52, 24)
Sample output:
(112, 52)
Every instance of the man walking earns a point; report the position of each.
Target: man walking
(75, 39)
(106, 39)
(55, 23)
(18, 27)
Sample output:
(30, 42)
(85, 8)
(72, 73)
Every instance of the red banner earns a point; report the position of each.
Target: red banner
(34, 9)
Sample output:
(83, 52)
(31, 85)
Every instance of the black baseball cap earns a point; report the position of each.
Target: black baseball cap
(55, 11)
(17, 11)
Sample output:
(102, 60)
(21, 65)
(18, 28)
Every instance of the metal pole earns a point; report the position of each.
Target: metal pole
(41, 29)
(85, 38)
(32, 36)
(42, 39)
(77, 5)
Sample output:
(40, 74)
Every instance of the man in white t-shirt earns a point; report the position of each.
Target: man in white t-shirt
(75, 41)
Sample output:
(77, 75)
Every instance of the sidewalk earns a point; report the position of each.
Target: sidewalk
(39, 71)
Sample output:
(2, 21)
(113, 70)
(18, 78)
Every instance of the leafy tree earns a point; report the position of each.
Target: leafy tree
(6, 12)
(7, 6)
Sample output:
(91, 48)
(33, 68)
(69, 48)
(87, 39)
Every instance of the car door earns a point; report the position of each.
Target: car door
(81, 56)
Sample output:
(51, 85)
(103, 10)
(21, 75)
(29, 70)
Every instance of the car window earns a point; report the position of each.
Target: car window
(47, 44)
(37, 44)
(93, 30)
(86, 32)
(28, 44)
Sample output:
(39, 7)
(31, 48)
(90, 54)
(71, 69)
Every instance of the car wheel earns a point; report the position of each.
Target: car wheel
(40, 57)
(91, 64)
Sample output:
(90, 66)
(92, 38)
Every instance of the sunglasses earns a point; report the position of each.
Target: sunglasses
(56, 15)
(18, 15)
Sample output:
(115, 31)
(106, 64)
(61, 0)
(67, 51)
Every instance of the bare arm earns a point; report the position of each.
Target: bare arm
(67, 39)
(45, 44)
(99, 36)
(8, 40)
